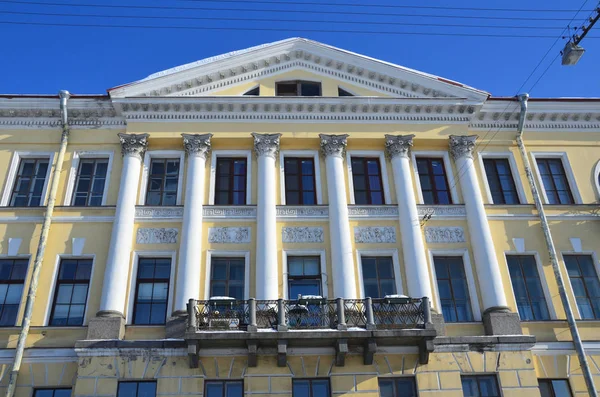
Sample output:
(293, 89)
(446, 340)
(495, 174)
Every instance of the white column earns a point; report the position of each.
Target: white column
(266, 147)
(415, 262)
(486, 262)
(114, 289)
(197, 148)
(333, 148)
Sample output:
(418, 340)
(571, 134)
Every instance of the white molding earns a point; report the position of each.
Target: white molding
(14, 169)
(513, 170)
(541, 275)
(379, 252)
(323, 266)
(314, 154)
(213, 172)
(562, 348)
(440, 154)
(132, 281)
(597, 179)
(464, 253)
(563, 269)
(227, 254)
(161, 154)
(568, 172)
(382, 166)
(41, 355)
(72, 177)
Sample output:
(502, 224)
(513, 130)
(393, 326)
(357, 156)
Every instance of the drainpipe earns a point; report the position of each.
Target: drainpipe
(39, 255)
(583, 362)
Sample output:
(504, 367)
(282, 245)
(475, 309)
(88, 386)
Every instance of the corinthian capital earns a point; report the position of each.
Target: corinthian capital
(398, 145)
(266, 144)
(133, 144)
(196, 144)
(333, 145)
(462, 146)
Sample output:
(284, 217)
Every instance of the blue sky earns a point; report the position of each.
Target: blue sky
(88, 60)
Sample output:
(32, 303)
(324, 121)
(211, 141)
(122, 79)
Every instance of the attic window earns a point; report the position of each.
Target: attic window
(298, 88)
(255, 91)
(343, 92)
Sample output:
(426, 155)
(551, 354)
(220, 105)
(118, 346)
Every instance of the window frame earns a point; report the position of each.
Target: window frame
(481, 156)
(476, 375)
(385, 182)
(223, 381)
(13, 255)
(227, 254)
(137, 388)
(299, 87)
(213, 172)
(314, 154)
(13, 171)
(310, 380)
(568, 174)
(323, 262)
(54, 389)
(154, 281)
(380, 252)
(449, 174)
(73, 171)
(394, 379)
(161, 154)
(566, 275)
(557, 379)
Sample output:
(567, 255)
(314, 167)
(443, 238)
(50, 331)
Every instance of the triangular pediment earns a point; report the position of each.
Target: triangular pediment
(232, 73)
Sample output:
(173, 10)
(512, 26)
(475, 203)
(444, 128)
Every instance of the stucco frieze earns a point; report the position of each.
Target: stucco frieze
(444, 234)
(229, 235)
(157, 235)
(302, 212)
(375, 234)
(302, 234)
(229, 212)
(158, 212)
(373, 211)
(441, 210)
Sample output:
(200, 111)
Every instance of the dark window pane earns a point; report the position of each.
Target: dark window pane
(298, 88)
(231, 179)
(299, 181)
(29, 183)
(527, 286)
(12, 276)
(304, 276)
(585, 284)
(310, 388)
(434, 182)
(452, 288)
(71, 292)
(480, 386)
(137, 389)
(163, 182)
(555, 181)
(152, 291)
(366, 178)
(500, 181)
(89, 185)
(378, 276)
(228, 277)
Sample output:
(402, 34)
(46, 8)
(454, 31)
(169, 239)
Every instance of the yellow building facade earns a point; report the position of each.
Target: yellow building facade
(298, 220)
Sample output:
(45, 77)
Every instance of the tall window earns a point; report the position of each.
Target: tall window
(137, 389)
(29, 183)
(586, 286)
(12, 279)
(366, 177)
(434, 183)
(378, 276)
(554, 388)
(310, 388)
(300, 186)
(452, 287)
(526, 284)
(304, 276)
(89, 185)
(152, 291)
(298, 88)
(500, 180)
(228, 388)
(57, 392)
(162, 182)
(70, 296)
(555, 181)
(227, 277)
(230, 186)
(397, 387)
(480, 386)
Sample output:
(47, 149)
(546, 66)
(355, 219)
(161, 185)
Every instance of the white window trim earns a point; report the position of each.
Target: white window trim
(213, 171)
(566, 273)
(54, 282)
(27, 278)
(464, 253)
(380, 252)
(161, 154)
(568, 172)
(382, 165)
(542, 276)
(132, 282)
(596, 177)
(14, 169)
(323, 265)
(227, 254)
(513, 171)
(303, 154)
(447, 165)
(71, 182)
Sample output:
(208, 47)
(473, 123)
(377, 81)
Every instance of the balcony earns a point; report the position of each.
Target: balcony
(309, 322)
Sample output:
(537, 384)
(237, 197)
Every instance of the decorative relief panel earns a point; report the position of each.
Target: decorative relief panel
(441, 210)
(375, 234)
(373, 211)
(158, 212)
(444, 235)
(229, 212)
(157, 235)
(229, 235)
(302, 212)
(302, 235)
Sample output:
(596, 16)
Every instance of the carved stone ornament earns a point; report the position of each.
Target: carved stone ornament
(375, 234)
(444, 235)
(333, 145)
(306, 211)
(158, 212)
(398, 145)
(266, 144)
(373, 211)
(229, 212)
(229, 235)
(133, 144)
(302, 235)
(442, 210)
(157, 236)
(196, 144)
(462, 145)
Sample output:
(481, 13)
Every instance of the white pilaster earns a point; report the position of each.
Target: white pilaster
(114, 289)
(266, 147)
(486, 262)
(344, 281)
(415, 261)
(197, 148)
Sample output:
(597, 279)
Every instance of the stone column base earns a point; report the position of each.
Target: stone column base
(501, 321)
(176, 325)
(438, 324)
(106, 325)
